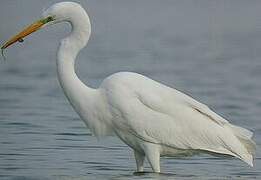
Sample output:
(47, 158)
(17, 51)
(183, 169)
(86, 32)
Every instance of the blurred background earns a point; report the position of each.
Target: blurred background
(210, 50)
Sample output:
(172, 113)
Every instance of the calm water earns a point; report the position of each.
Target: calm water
(209, 49)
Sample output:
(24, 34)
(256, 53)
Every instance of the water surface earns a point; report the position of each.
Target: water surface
(207, 49)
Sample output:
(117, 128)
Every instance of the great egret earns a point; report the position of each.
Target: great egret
(153, 119)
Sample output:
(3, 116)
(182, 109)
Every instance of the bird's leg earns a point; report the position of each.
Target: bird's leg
(153, 155)
(139, 157)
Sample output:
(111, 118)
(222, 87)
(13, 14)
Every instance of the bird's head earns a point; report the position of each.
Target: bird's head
(63, 11)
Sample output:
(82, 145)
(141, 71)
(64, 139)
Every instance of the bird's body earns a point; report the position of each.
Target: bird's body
(156, 120)
(153, 119)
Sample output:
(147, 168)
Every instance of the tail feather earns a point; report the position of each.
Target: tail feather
(241, 132)
(247, 158)
(245, 138)
(249, 144)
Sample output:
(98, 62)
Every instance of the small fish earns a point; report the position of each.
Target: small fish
(2, 48)
(2, 53)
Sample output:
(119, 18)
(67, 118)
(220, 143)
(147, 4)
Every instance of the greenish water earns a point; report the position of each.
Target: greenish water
(208, 49)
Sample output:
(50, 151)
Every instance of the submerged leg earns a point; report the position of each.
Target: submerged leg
(153, 155)
(139, 157)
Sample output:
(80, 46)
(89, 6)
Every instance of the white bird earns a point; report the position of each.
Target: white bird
(153, 119)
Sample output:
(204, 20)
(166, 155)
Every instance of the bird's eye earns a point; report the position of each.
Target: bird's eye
(50, 18)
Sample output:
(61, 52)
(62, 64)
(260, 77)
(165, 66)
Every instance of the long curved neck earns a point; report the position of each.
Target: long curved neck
(69, 47)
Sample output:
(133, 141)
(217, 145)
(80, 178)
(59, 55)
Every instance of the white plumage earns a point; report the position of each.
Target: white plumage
(151, 114)
(151, 118)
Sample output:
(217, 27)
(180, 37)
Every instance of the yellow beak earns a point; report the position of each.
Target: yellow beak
(28, 30)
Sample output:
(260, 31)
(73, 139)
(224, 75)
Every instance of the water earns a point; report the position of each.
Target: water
(208, 49)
